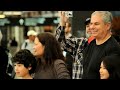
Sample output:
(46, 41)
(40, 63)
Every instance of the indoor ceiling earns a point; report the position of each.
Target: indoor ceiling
(28, 13)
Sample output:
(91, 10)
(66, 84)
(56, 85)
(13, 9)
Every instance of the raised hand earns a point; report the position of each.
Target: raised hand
(63, 18)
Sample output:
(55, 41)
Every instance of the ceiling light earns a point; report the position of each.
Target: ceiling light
(2, 16)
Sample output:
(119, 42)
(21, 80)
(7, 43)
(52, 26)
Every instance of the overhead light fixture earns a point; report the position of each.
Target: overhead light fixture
(12, 13)
(2, 16)
(17, 13)
(7, 13)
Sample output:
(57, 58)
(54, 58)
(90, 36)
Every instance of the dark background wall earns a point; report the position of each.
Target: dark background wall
(78, 19)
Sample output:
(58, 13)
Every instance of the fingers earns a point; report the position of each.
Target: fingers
(61, 13)
(63, 18)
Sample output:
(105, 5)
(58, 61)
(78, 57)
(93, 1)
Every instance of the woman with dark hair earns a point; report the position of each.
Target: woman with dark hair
(110, 67)
(51, 64)
(24, 64)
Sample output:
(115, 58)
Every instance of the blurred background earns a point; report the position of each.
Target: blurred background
(15, 24)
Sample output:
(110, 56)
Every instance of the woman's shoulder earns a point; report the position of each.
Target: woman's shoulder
(57, 61)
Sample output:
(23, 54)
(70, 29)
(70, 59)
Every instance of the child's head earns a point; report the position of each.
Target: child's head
(87, 27)
(110, 67)
(24, 63)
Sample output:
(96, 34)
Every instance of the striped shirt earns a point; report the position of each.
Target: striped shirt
(75, 47)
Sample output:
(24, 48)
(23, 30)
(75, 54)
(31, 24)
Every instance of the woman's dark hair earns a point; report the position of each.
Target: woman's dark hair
(26, 58)
(52, 50)
(112, 64)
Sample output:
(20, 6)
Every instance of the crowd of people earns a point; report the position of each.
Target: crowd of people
(64, 56)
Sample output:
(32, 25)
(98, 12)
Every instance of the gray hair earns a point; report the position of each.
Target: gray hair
(106, 15)
(1, 36)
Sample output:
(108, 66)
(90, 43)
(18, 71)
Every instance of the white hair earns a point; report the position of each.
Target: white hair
(106, 15)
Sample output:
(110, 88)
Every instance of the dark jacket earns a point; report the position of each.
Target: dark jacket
(3, 63)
